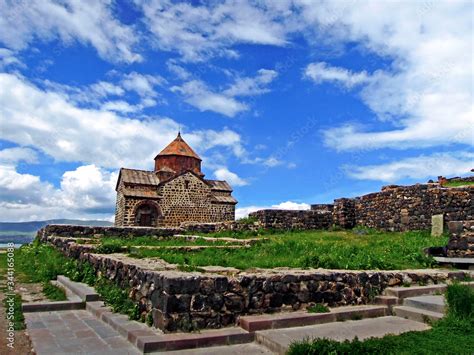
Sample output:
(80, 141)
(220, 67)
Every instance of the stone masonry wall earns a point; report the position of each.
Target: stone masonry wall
(400, 208)
(461, 241)
(344, 213)
(72, 231)
(187, 198)
(180, 300)
(290, 219)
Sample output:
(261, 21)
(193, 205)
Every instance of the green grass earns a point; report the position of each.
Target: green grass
(460, 300)
(458, 183)
(18, 318)
(151, 241)
(54, 292)
(318, 308)
(358, 249)
(42, 263)
(451, 335)
(109, 245)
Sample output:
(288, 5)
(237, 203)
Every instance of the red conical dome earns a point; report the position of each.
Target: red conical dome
(179, 147)
(179, 157)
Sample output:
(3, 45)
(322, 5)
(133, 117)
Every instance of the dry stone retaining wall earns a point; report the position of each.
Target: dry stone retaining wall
(184, 301)
(461, 241)
(72, 231)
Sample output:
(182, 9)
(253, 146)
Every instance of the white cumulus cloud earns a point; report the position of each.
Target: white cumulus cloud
(321, 72)
(420, 167)
(232, 178)
(89, 22)
(87, 192)
(50, 122)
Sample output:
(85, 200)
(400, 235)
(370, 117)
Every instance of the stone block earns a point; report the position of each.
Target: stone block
(455, 227)
(437, 225)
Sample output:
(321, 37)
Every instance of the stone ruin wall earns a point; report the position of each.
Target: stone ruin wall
(288, 219)
(401, 208)
(395, 208)
(461, 241)
(177, 299)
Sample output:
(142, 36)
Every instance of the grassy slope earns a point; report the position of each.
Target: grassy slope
(458, 183)
(326, 249)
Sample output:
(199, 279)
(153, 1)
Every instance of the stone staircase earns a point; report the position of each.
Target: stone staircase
(421, 308)
(398, 310)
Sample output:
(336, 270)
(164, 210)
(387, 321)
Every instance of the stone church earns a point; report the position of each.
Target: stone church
(174, 192)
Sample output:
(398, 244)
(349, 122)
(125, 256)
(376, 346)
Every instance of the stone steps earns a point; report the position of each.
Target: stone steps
(52, 306)
(416, 314)
(413, 291)
(298, 319)
(179, 341)
(405, 292)
(274, 332)
(73, 302)
(239, 349)
(147, 339)
(279, 340)
(82, 290)
(429, 303)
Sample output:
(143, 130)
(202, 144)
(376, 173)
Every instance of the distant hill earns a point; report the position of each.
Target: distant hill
(24, 232)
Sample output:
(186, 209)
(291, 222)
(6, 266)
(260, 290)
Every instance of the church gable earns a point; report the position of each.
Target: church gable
(185, 184)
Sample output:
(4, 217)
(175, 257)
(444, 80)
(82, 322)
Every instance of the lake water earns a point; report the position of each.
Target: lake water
(5, 245)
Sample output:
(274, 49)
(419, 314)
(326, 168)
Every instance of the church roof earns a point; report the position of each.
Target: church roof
(179, 147)
(224, 199)
(139, 177)
(219, 185)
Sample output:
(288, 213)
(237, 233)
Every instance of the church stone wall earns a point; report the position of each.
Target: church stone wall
(120, 207)
(187, 198)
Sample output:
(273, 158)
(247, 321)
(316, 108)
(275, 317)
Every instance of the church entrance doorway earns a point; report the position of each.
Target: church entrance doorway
(146, 215)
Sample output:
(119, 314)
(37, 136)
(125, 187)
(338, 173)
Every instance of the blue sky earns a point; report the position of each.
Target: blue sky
(292, 102)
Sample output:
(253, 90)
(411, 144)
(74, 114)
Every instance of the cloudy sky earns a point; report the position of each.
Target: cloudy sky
(292, 102)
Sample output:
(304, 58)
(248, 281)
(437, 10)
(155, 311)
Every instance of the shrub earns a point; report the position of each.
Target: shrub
(117, 298)
(39, 263)
(460, 300)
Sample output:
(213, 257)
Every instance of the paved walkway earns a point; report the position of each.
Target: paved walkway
(74, 332)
